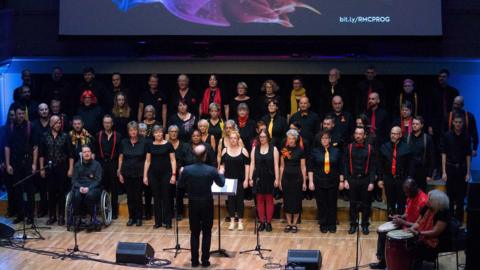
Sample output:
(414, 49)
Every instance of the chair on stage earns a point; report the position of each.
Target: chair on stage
(102, 212)
(457, 244)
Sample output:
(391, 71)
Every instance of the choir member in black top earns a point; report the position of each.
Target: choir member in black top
(27, 81)
(379, 120)
(56, 109)
(359, 178)
(421, 145)
(55, 148)
(90, 112)
(296, 94)
(159, 173)
(122, 114)
(21, 153)
(367, 86)
(8, 180)
(150, 121)
(246, 126)
(206, 137)
(29, 105)
(410, 94)
(189, 157)
(90, 83)
(395, 165)
(344, 121)
(224, 142)
(308, 120)
(42, 125)
(79, 137)
(213, 94)
(215, 123)
(57, 88)
(336, 139)
(183, 93)
(470, 124)
(325, 170)
(264, 178)
(155, 98)
(456, 152)
(293, 179)
(269, 93)
(179, 148)
(183, 119)
(130, 171)
(241, 97)
(108, 146)
(276, 124)
(405, 121)
(197, 180)
(235, 162)
(329, 90)
(86, 186)
(115, 88)
(442, 100)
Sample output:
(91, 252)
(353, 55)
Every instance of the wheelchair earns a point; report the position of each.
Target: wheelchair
(103, 209)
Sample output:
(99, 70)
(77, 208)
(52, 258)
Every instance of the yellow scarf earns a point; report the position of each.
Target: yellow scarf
(293, 99)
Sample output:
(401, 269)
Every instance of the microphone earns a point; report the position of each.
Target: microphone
(50, 164)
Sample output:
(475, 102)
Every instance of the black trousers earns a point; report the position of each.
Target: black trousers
(110, 182)
(134, 186)
(57, 186)
(162, 197)
(382, 238)
(85, 202)
(420, 176)
(12, 208)
(180, 195)
(360, 200)
(20, 171)
(42, 190)
(235, 204)
(326, 199)
(201, 220)
(395, 195)
(147, 195)
(456, 190)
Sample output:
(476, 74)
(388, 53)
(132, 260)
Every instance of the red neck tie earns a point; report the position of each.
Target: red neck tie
(394, 160)
(373, 122)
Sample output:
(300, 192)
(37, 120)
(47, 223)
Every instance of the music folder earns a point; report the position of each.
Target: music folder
(230, 187)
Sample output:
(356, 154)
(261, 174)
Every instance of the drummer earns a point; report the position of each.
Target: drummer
(416, 200)
(431, 228)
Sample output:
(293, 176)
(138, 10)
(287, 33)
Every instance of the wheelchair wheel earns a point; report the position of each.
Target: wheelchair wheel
(106, 208)
(69, 211)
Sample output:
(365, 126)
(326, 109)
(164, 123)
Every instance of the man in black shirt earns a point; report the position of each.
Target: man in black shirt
(154, 97)
(308, 120)
(91, 112)
(329, 90)
(367, 86)
(42, 125)
(108, 145)
(395, 165)
(116, 87)
(197, 180)
(456, 156)
(56, 109)
(90, 83)
(379, 120)
(409, 93)
(27, 81)
(328, 124)
(422, 148)
(6, 178)
(21, 153)
(344, 121)
(189, 96)
(79, 137)
(57, 88)
(29, 105)
(359, 179)
(86, 184)
(56, 149)
(470, 124)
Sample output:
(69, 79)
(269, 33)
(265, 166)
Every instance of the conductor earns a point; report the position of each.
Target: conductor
(197, 180)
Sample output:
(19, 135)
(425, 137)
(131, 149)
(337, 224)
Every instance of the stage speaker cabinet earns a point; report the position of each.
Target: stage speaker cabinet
(137, 253)
(304, 259)
(6, 232)
(473, 226)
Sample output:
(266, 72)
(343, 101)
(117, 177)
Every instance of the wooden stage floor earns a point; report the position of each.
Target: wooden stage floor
(338, 250)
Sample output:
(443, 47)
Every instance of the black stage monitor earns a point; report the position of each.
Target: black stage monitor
(138, 253)
(309, 259)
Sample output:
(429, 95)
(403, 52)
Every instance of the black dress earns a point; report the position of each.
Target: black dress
(215, 130)
(235, 169)
(264, 174)
(292, 179)
(159, 174)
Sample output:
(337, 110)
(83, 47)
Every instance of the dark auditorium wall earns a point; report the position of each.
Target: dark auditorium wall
(35, 28)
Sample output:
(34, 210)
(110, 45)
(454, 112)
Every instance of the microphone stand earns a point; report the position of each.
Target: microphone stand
(258, 248)
(177, 247)
(33, 227)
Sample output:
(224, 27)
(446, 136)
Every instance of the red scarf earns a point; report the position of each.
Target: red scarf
(206, 101)
(406, 131)
(242, 121)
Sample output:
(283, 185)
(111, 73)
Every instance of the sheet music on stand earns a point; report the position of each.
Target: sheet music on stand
(230, 187)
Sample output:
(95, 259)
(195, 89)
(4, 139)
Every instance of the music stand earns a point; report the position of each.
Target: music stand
(230, 189)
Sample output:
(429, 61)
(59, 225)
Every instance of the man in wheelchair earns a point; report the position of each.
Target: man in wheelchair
(86, 189)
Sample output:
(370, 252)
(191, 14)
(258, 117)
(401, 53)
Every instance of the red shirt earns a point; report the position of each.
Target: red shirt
(414, 205)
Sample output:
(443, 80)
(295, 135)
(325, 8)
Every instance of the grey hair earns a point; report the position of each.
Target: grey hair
(149, 107)
(132, 125)
(183, 76)
(214, 106)
(438, 200)
(294, 133)
(203, 121)
(243, 106)
(232, 123)
(243, 85)
(157, 128)
(172, 127)
(142, 126)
